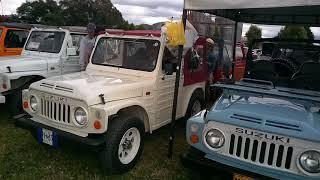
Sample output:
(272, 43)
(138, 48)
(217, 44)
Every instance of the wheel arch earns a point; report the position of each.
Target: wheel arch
(129, 107)
(23, 81)
(189, 95)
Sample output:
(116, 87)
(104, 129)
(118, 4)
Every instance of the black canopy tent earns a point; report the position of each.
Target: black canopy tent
(271, 12)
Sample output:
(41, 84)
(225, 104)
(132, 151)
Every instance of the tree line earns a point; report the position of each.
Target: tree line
(71, 12)
(287, 32)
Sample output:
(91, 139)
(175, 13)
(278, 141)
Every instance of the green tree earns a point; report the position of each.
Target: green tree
(253, 33)
(40, 11)
(293, 32)
(216, 34)
(72, 12)
(101, 12)
(140, 27)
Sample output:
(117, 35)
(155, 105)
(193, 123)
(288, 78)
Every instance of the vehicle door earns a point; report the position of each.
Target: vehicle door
(165, 88)
(72, 61)
(14, 41)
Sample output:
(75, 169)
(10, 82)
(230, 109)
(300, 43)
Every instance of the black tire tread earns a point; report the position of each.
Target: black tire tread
(197, 94)
(113, 136)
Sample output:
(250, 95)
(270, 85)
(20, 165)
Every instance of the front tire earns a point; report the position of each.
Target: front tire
(125, 141)
(196, 104)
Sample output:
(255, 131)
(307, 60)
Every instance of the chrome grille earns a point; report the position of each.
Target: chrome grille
(261, 152)
(55, 111)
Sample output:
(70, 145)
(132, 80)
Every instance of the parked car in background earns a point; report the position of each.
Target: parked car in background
(13, 37)
(48, 52)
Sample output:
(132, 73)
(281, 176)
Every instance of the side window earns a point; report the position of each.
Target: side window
(76, 39)
(15, 38)
(169, 58)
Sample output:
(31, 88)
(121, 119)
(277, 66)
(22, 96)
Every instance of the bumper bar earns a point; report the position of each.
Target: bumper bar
(91, 140)
(195, 157)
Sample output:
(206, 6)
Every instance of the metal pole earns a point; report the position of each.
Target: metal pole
(176, 91)
(234, 47)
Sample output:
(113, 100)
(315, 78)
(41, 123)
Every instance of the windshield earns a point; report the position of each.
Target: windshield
(137, 54)
(45, 41)
(286, 63)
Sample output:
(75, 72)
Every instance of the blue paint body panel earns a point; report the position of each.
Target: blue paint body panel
(272, 112)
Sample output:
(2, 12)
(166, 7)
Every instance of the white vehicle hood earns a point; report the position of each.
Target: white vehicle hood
(22, 63)
(88, 87)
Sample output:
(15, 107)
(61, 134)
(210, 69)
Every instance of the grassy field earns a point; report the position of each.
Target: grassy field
(21, 157)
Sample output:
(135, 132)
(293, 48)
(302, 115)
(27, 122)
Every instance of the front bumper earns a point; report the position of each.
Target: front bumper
(94, 141)
(2, 99)
(195, 158)
(234, 166)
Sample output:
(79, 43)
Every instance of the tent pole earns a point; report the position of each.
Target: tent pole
(234, 47)
(176, 91)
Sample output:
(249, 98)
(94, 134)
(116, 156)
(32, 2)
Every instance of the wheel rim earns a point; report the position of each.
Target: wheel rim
(196, 107)
(129, 145)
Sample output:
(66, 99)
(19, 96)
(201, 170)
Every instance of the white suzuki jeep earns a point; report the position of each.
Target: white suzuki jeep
(126, 90)
(47, 52)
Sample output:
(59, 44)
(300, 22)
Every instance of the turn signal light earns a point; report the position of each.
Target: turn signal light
(194, 139)
(25, 105)
(97, 125)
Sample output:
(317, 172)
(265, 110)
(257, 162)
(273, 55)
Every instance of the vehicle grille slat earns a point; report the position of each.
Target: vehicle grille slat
(266, 154)
(247, 148)
(58, 112)
(285, 152)
(60, 116)
(250, 149)
(47, 109)
(275, 156)
(235, 145)
(260, 152)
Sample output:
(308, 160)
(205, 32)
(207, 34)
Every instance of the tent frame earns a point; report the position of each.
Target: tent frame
(274, 16)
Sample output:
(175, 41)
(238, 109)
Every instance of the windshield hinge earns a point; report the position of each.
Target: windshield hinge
(9, 69)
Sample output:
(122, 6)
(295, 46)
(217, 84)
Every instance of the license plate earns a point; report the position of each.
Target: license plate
(47, 137)
(241, 177)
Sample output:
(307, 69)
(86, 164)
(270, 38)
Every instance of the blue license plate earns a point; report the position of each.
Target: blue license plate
(47, 137)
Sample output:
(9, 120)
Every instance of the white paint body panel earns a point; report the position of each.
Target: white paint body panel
(122, 88)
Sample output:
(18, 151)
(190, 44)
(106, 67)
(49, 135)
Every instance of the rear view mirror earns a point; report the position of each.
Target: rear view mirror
(71, 51)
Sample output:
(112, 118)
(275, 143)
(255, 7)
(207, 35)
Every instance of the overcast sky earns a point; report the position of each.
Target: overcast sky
(149, 12)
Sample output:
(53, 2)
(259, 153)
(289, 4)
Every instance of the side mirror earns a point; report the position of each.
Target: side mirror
(71, 51)
(168, 68)
(194, 62)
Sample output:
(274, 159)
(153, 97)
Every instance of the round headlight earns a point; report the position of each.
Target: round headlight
(215, 138)
(310, 161)
(33, 103)
(80, 116)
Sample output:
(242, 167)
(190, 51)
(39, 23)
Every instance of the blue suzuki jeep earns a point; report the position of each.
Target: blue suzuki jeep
(268, 124)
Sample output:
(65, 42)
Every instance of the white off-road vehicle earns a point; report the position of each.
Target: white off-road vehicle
(47, 52)
(126, 90)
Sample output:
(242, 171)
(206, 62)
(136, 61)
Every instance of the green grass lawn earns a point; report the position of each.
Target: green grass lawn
(21, 157)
